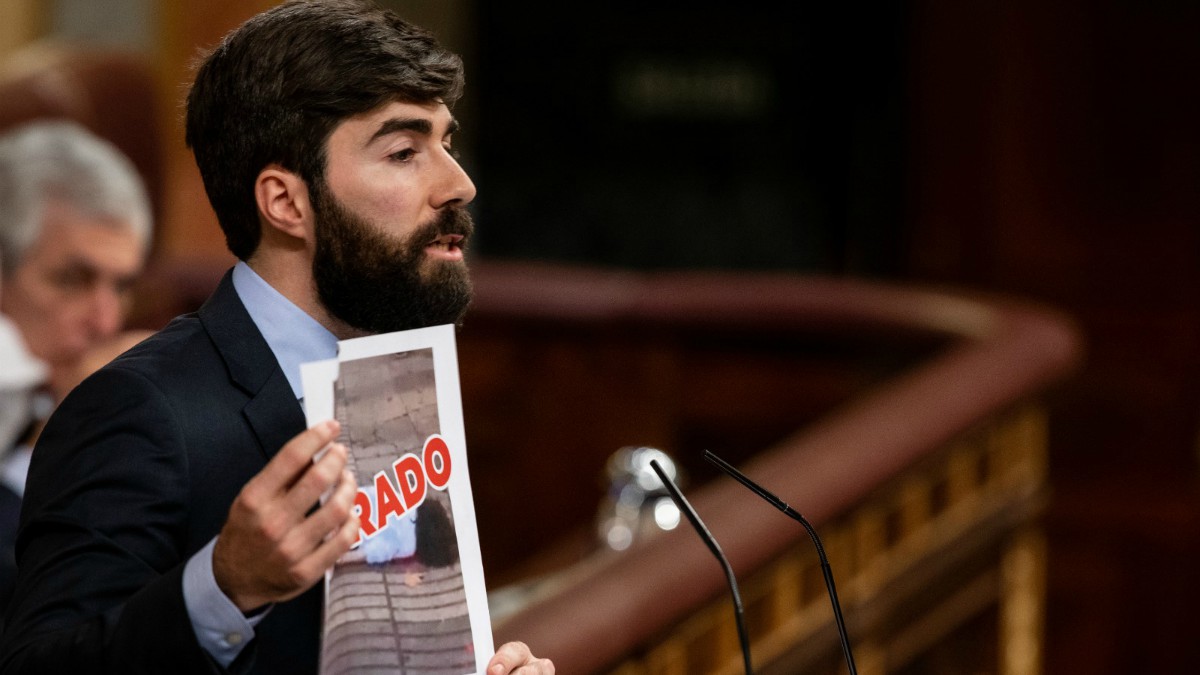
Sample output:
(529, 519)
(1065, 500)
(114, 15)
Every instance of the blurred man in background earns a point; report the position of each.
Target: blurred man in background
(74, 229)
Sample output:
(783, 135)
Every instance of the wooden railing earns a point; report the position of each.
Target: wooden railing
(926, 485)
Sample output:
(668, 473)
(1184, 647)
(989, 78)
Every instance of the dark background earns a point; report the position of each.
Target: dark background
(643, 134)
(1044, 149)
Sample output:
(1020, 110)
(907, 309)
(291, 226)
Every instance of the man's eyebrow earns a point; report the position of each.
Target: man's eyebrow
(397, 124)
(418, 124)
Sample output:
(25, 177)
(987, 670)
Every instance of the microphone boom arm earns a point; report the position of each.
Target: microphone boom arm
(711, 542)
(826, 570)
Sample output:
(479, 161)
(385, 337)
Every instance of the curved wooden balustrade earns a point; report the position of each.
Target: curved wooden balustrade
(941, 464)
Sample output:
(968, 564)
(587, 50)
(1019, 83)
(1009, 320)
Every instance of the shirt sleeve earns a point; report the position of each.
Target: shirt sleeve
(220, 627)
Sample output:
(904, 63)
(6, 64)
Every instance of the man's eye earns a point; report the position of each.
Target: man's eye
(71, 278)
(124, 286)
(403, 155)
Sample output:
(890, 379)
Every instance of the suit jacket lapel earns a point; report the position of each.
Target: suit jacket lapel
(272, 412)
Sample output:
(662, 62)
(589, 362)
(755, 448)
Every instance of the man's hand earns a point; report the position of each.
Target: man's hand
(269, 550)
(515, 658)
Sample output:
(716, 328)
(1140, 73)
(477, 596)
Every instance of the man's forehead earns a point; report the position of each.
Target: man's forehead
(64, 216)
(67, 231)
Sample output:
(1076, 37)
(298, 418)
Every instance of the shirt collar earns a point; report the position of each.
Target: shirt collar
(293, 336)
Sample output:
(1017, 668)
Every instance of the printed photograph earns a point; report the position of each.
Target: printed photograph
(396, 603)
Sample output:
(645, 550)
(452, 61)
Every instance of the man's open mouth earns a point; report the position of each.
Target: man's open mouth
(446, 247)
(447, 242)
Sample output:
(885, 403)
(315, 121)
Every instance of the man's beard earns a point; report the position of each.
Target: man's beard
(377, 283)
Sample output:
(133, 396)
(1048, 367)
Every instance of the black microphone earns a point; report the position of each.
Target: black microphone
(825, 569)
(694, 519)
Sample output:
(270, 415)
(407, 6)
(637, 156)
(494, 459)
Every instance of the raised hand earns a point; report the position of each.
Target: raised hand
(269, 550)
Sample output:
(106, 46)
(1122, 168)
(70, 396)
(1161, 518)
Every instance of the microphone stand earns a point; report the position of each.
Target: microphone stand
(825, 569)
(694, 519)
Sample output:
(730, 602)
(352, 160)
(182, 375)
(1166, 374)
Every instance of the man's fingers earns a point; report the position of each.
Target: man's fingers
(317, 479)
(331, 516)
(515, 658)
(341, 538)
(536, 667)
(267, 550)
(315, 544)
(294, 457)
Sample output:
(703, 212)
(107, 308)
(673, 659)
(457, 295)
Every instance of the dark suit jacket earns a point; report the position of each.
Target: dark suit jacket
(10, 509)
(133, 474)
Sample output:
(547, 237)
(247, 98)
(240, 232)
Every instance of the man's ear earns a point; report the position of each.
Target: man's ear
(283, 202)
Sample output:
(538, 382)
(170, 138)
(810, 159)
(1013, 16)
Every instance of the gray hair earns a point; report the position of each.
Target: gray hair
(62, 162)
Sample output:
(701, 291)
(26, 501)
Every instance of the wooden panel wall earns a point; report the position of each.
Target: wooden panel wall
(186, 29)
(20, 22)
(1056, 155)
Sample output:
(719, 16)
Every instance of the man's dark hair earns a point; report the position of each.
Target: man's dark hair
(275, 88)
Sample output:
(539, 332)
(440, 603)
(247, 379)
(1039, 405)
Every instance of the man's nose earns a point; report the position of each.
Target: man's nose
(107, 310)
(456, 185)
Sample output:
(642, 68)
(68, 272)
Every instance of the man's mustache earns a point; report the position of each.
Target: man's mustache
(451, 220)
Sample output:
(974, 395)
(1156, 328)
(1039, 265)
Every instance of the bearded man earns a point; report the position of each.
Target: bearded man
(169, 522)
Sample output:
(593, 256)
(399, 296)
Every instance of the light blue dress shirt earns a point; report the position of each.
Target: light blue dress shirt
(295, 338)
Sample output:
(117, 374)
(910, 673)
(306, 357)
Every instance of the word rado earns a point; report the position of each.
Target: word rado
(403, 488)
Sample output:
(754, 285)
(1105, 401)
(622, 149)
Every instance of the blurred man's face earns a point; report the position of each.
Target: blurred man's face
(391, 222)
(71, 288)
